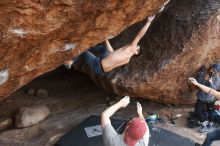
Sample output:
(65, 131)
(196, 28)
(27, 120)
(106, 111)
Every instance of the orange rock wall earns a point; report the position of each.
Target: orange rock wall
(36, 36)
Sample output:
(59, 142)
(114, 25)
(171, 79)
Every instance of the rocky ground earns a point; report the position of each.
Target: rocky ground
(71, 98)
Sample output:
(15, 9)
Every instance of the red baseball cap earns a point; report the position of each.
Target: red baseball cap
(134, 131)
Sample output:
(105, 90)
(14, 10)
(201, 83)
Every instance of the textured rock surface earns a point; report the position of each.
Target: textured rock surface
(42, 93)
(184, 37)
(36, 36)
(5, 123)
(81, 99)
(28, 116)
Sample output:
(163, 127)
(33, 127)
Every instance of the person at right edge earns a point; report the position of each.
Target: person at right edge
(214, 135)
(205, 102)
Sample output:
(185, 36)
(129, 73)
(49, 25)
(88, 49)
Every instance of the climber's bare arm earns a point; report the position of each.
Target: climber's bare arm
(146, 26)
(142, 32)
(108, 45)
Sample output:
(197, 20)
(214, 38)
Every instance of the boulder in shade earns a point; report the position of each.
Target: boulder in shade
(28, 116)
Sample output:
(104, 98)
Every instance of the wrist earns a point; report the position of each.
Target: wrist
(141, 116)
(119, 104)
(195, 84)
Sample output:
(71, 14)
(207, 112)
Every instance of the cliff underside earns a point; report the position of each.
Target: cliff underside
(37, 36)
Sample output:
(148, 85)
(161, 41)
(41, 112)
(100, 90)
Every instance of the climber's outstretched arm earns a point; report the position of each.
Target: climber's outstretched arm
(142, 32)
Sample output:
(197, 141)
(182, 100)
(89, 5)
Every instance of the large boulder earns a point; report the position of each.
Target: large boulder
(28, 116)
(184, 37)
(37, 36)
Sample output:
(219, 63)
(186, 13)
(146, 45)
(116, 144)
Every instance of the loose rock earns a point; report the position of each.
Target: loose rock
(28, 116)
(30, 91)
(42, 93)
(5, 123)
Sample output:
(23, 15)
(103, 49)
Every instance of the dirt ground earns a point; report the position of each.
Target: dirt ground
(72, 98)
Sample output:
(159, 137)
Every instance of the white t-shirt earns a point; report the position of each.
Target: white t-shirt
(112, 138)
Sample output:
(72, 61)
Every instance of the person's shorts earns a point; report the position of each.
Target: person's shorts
(88, 63)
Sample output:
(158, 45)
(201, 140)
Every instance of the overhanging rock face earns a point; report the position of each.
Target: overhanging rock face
(184, 37)
(38, 35)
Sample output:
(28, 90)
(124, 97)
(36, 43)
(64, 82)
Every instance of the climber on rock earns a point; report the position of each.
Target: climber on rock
(108, 58)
